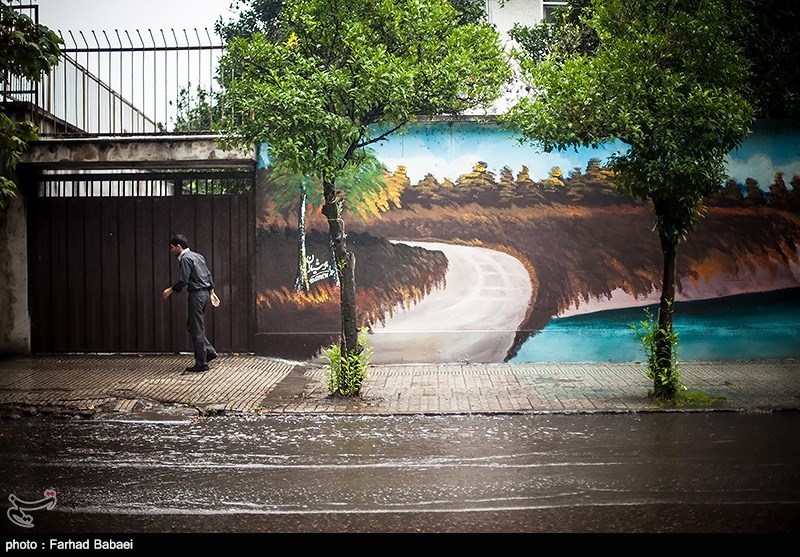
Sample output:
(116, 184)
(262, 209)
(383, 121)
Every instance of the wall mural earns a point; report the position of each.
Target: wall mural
(478, 248)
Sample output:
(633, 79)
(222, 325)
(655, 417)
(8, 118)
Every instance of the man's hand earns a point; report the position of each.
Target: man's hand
(214, 299)
(166, 293)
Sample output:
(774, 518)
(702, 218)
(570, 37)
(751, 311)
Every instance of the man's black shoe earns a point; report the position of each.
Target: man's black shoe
(195, 369)
(210, 357)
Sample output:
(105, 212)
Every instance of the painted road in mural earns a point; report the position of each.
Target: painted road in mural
(474, 318)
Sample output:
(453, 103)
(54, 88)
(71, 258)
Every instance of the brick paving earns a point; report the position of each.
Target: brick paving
(103, 384)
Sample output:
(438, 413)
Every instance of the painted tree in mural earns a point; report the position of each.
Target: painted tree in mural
(370, 191)
(664, 79)
(288, 186)
(29, 50)
(347, 74)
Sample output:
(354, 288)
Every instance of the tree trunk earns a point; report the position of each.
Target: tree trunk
(301, 281)
(663, 387)
(345, 268)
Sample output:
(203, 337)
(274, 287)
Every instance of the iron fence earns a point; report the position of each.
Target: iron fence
(145, 183)
(127, 83)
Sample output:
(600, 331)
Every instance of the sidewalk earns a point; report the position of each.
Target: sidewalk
(93, 385)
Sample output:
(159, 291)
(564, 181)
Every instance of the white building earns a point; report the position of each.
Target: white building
(503, 15)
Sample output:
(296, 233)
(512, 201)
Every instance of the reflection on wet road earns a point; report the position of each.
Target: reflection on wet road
(660, 472)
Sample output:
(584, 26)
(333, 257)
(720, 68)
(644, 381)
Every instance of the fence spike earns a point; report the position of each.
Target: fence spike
(106, 79)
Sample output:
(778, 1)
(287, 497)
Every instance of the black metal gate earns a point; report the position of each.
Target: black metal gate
(98, 265)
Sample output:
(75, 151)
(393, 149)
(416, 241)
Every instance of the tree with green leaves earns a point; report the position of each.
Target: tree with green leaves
(200, 112)
(263, 16)
(253, 17)
(347, 74)
(29, 50)
(771, 41)
(566, 35)
(666, 79)
(768, 35)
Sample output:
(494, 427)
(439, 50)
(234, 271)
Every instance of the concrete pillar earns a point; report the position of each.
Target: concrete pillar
(15, 324)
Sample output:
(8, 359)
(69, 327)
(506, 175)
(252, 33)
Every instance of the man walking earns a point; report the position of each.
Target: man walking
(196, 277)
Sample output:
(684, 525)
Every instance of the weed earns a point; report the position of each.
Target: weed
(665, 374)
(667, 392)
(689, 399)
(346, 373)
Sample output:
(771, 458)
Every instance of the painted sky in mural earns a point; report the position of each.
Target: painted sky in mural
(449, 150)
(774, 148)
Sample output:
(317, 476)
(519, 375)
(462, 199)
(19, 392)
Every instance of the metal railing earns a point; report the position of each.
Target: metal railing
(123, 83)
(145, 183)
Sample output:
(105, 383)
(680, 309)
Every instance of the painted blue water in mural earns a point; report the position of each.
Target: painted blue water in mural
(747, 326)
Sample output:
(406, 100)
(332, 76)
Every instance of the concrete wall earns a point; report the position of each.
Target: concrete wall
(541, 259)
(15, 327)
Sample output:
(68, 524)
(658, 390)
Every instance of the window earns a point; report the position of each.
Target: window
(548, 8)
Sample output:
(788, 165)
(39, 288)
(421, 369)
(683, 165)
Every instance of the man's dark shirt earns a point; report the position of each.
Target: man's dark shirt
(194, 273)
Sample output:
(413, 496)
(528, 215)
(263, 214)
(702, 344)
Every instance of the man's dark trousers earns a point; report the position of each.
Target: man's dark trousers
(198, 301)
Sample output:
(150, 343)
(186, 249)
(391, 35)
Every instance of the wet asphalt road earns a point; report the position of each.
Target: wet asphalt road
(645, 472)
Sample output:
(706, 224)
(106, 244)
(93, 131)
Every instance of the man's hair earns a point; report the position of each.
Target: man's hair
(179, 240)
